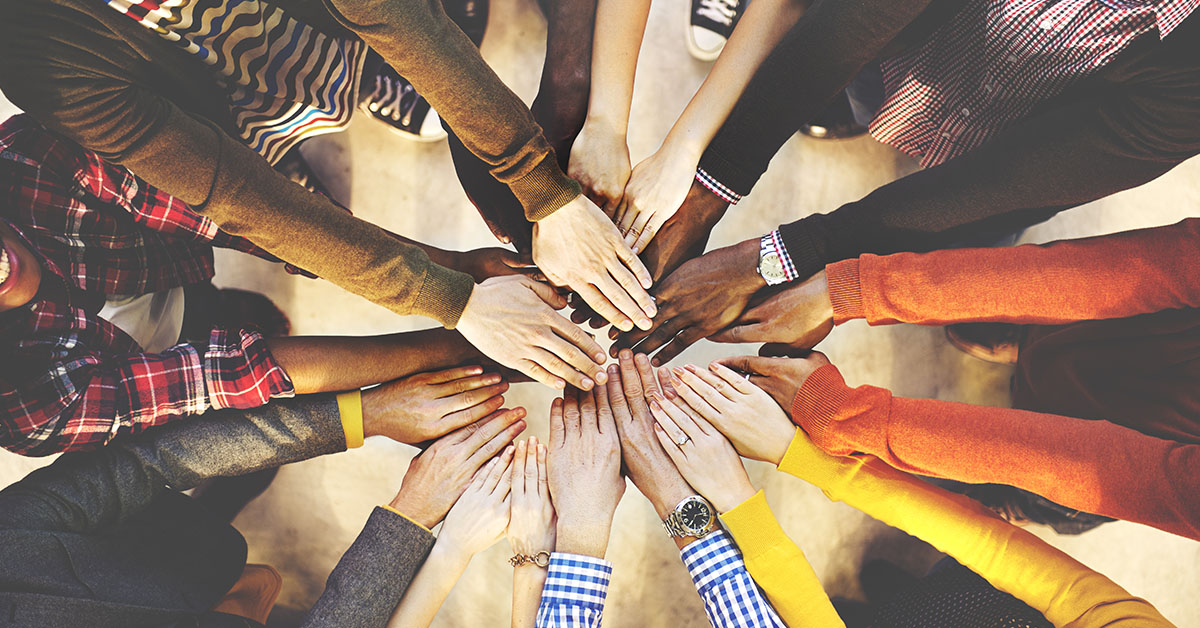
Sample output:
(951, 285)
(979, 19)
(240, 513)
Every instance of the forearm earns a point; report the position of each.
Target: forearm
(528, 581)
(1113, 276)
(1093, 466)
(335, 363)
(1012, 559)
(420, 604)
(620, 26)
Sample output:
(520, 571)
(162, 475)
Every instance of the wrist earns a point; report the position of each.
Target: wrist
(681, 148)
(605, 124)
(726, 500)
(585, 538)
(450, 551)
(414, 510)
(745, 268)
(664, 496)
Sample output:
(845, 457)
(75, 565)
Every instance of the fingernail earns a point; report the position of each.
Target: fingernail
(559, 384)
(712, 366)
(495, 379)
(601, 377)
(612, 369)
(599, 358)
(647, 283)
(654, 404)
(644, 323)
(690, 367)
(477, 370)
(655, 363)
(508, 451)
(587, 384)
(657, 427)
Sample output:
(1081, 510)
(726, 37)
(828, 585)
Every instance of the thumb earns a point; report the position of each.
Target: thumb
(547, 293)
(745, 332)
(749, 364)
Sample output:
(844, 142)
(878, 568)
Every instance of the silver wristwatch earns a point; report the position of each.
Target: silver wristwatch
(770, 266)
(693, 516)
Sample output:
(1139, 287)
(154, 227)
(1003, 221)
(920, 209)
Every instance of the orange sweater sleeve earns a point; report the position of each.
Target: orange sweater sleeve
(1094, 466)
(1112, 276)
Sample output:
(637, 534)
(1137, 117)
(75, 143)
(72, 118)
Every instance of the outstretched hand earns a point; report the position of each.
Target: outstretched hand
(480, 516)
(779, 377)
(798, 317)
(584, 471)
(427, 405)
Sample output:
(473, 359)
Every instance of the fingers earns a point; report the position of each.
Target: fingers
(471, 398)
(645, 373)
(673, 451)
(561, 370)
(667, 422)
(623, 290)
(479, 480)
(748, 332)
(457, 373)
(679, 344)
(714, 389)
(623, 208)
(518, 471)
(688, 393)
(584, 342)
(738, 382)
(503, 487)
(615, 393)
(558, 430)
(748, 364)
(547, 293)
(587, 411)
(635, 266)
(604, 414)
(603, 307)
(497, 468)
(494, 435)
(467, 416)
(539, 374)
(571, 418)
(528, 471)
(632, 391)
(647, 233)
(543, 484)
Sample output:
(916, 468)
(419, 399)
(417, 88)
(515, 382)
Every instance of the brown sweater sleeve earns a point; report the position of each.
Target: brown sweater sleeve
(1094, 466)
(1112, 276)
(417, 39)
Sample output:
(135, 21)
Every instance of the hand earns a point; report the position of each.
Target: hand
(584, 471)
(656, 189)
(428, 405)
(800, 316)
(743, 412)
(779, 377)
(480, 516)
(436, 478)
(600, 163)
(512, 320)
(646, 461)
(493, 261)
(579, 247)
(701, 298)
(531, 529)
(702, 455)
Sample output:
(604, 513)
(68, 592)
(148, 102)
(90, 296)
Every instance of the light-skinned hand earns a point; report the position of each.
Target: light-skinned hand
(743, 412)
(702, 455)
(427, 405)
(656, 189)
(779, 377)
(436, 478)
(532, 526)
(513, 321)
(580, 248)
(800, 316)
(584, 471)
(600, 163)
(480, 516)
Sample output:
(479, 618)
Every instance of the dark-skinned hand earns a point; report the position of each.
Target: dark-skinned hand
(799, 316)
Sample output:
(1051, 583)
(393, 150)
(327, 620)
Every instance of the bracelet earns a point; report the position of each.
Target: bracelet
(541, 559)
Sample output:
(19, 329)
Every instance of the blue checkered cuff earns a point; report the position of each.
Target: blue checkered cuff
(789, 267)
(574, 593)
(731, 598)
(716, 187)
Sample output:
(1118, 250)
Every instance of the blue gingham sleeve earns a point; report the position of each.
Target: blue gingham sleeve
(731, 599)
(574, 593)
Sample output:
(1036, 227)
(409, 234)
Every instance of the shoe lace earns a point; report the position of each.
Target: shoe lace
(393, 99)
(719, 11)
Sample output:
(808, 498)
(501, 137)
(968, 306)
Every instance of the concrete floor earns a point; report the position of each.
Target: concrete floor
(314, 509)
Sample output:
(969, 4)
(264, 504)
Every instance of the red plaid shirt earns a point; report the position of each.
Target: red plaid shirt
(71, 380)
(996, 60)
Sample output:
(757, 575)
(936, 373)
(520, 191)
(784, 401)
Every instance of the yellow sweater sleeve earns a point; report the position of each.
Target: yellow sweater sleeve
(779, 567)
(1067, 592)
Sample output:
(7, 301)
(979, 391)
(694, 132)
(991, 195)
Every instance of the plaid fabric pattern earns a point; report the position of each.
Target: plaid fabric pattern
(71, 380)
(574, 593)
(731, 599)
(996, 60)
(775, 241)
(717, 188)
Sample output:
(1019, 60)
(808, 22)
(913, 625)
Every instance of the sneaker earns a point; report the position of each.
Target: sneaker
(710, 24)
(396, 103)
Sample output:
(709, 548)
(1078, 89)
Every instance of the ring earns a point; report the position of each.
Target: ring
(683, 442)
(747, 376)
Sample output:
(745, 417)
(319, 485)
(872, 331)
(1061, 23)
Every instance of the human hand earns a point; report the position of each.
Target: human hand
(512, 320)
(531, 529)
(579, 247)
(646, 461)
(702, 455)
(427, 405)
(748, 416)
(584, 471)
(436, 478)
(480, 516)
(600, 163)
(493, 261)
(779, 377)
(799, 317)
(657, 187)
(702, 297)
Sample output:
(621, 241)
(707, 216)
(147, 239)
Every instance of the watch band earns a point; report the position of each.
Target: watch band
(675, 528)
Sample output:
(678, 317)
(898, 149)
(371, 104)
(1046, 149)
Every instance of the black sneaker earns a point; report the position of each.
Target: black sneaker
(396, 103)
(710, 24)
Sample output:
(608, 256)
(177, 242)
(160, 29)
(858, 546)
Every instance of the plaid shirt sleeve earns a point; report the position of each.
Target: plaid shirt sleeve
(574, 593)
(731, 599)
(85, 399)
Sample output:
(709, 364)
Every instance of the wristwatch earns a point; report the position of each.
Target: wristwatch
(770, 265)
(692, 517)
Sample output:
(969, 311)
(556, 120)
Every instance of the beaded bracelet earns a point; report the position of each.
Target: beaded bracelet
(541, 559)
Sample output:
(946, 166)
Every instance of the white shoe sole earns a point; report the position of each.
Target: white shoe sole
(696, 51)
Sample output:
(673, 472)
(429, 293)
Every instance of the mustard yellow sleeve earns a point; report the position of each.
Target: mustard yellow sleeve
(778, 566)
(350, 408)
(389, 508)
(1067, 592)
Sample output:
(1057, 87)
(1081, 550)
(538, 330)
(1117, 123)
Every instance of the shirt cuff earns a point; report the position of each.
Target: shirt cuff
(712, 559)
(240, 372)
(775, 241)
(350, 409)
(388, 508)
(819, 400)
(716, 187)
(755, 527)
(576, 580)
(845, 291)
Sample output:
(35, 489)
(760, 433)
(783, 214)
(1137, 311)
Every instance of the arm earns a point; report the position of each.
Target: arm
(531, 530)
(1094, 466)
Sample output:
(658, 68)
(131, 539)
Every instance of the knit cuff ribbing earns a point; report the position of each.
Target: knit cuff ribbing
(819, 400)
(443, 295)
(545, 189)
(754, 527)
(845, 291)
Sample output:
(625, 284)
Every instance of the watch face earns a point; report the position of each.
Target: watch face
(695, 515)
(771, 267)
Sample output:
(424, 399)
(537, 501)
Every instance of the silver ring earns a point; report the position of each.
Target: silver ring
(685, 440)
(747, 376)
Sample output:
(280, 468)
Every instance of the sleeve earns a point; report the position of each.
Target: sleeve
(85, 399)
(778, 566)
(417, 39)
(370, 579)
(574, 593)
(731, 598)
(1066, 592)
(1112, 276)
(194, 161)
(1093, 466)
